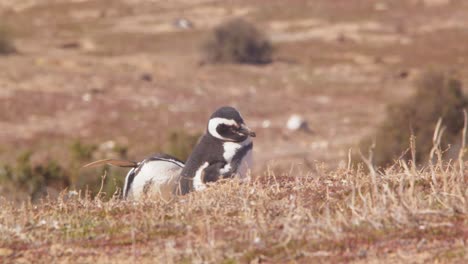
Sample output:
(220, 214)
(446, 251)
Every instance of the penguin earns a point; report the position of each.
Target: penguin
(224, 151)
(157, 174)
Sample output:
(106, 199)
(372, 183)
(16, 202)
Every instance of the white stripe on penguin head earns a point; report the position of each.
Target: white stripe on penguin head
(215, 122)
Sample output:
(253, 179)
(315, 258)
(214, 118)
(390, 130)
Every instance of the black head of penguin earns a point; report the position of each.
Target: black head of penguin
(226, 124)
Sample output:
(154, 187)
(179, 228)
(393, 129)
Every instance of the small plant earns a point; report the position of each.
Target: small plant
(6, 44)
(81, 151)
(437, 96)
(237, 41)
(35, 180)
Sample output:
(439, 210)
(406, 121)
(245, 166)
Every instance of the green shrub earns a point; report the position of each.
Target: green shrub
(34, 180)
(81, 151)
(24, 178)
(237, 41)
(437, 96)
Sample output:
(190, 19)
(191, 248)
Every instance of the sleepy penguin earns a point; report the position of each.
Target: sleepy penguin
(224, 151)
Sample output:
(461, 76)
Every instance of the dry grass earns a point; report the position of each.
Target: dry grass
(337, 216)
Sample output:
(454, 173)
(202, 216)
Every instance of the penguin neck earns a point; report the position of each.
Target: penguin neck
(230, 148)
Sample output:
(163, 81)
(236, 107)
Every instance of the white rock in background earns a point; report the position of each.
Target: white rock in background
(297, 122)
(86, 97)
(266, 123)
(183, 23)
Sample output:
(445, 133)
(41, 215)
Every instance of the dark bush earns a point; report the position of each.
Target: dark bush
(437, 96)
(237, 41)
(6, 44)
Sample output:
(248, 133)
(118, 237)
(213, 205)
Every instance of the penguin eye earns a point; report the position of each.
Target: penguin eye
(223, 128)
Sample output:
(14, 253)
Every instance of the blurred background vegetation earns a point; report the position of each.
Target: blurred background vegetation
(25, 178)
(87, 80)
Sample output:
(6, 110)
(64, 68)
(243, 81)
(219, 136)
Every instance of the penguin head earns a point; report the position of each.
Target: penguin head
(227, 124)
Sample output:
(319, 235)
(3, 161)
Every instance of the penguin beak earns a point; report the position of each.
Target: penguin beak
(246, 131)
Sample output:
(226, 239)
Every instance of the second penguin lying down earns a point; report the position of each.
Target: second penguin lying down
(224, 151)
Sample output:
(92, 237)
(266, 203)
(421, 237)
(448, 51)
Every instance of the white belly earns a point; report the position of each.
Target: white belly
(245, 167)
(155, 178)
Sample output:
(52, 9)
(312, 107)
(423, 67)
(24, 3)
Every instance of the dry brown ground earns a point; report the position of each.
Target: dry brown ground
(337, 216)
(338, 63)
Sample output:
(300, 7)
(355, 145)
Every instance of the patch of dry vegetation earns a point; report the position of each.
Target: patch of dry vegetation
(32, 179)
(237, 41)
(438, 95)
(342, 215)
(6, 44)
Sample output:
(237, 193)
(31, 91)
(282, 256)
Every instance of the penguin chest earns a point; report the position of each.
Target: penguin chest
(238, 157)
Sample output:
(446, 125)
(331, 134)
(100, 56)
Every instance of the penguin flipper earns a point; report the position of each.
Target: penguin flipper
(113, 162)
(213, 172)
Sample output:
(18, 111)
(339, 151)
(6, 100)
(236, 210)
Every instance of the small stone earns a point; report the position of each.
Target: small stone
(297, 122)
(257, 240)
(183, 23)
(86, 97)
(266, 123)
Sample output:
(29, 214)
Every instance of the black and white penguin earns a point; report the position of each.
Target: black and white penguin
(157, 174)
(224, 151)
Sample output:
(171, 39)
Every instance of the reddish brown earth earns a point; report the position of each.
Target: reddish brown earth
(121, 70)
(80, 68)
